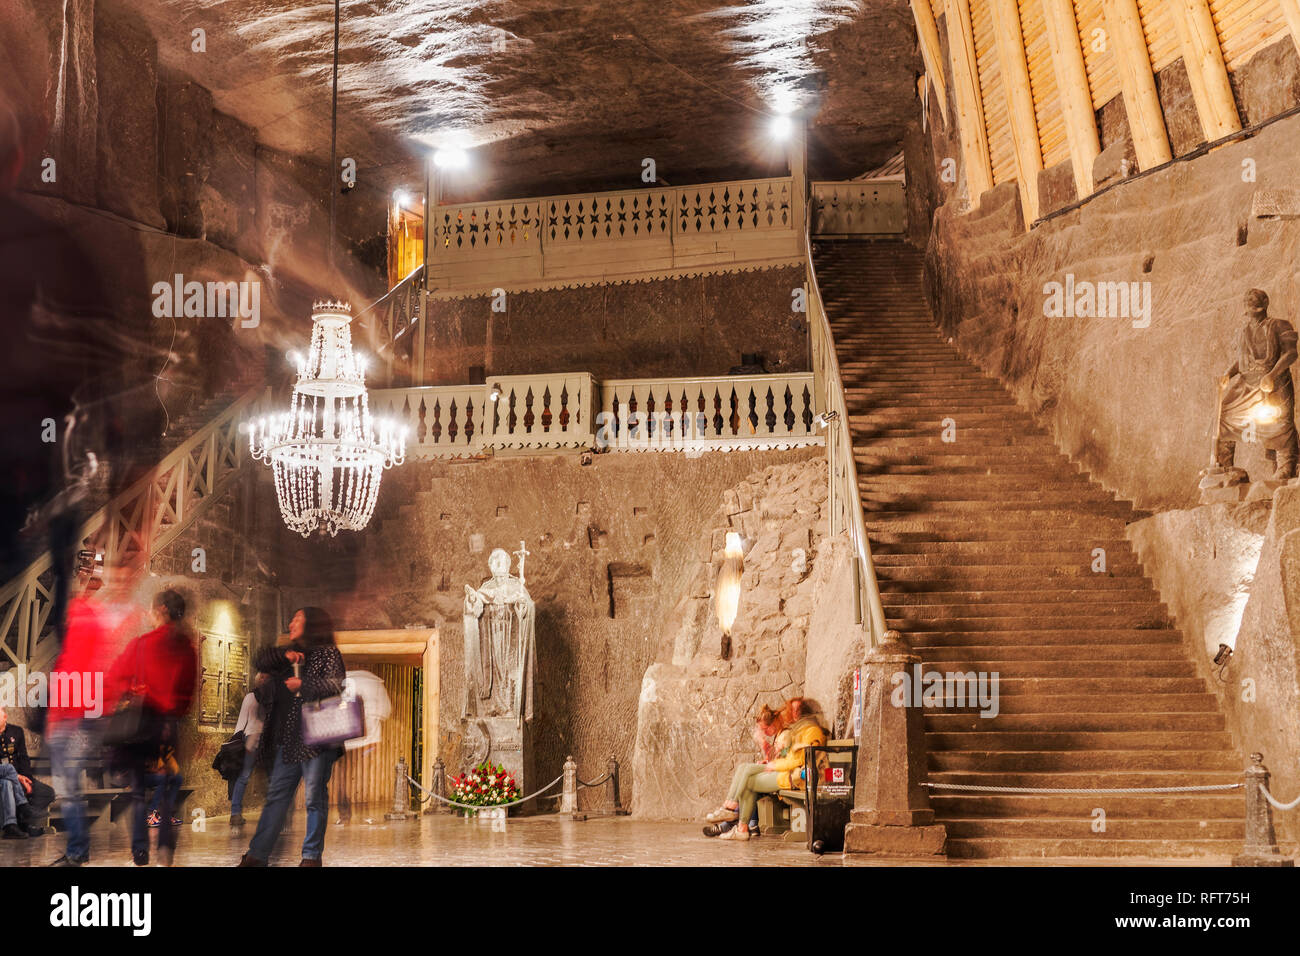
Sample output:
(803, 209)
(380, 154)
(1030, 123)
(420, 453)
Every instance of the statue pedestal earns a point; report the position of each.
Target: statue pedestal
(500, 740)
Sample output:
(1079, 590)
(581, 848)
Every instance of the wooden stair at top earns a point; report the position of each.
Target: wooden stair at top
(984, 551)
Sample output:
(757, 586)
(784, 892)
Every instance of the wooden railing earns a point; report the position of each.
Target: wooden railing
(130, 528)
(845, 501)
(573, 410)
(390, 326)
(595, 236)
(858, 208)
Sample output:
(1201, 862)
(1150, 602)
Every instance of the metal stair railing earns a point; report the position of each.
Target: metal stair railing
(131, 527)
(845, 496)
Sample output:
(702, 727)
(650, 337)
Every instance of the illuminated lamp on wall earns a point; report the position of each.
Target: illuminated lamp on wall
(726, 593)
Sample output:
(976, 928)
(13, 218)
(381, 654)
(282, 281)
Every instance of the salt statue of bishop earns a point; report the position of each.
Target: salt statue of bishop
(1257, 396)
(500, 648)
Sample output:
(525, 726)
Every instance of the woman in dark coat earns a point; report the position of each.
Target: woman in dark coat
(311, 644)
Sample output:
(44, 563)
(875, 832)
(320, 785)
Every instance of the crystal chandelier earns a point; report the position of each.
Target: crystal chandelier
(326, 452)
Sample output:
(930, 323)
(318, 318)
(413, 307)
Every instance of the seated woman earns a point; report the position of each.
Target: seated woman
(782, 772)
(767, 731)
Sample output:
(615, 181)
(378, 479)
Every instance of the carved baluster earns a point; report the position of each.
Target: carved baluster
(422, 429)
(617, 423)
(650, 414)
(669, 421)
(770, 419)
(752, 418)
(564, 407)
(546, 409)
(718, 420)
(452, 428)
(788, 417)
(511, 418)
(469, 421)
(807, 411)
(529, 417)
(633, 423)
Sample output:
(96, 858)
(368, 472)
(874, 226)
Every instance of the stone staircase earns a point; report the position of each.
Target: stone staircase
(984, 549)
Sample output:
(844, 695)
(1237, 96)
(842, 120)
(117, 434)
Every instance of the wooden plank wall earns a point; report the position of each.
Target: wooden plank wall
(1243, 27)
(366, 777)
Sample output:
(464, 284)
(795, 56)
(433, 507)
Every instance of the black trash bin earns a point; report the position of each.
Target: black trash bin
(830, 772)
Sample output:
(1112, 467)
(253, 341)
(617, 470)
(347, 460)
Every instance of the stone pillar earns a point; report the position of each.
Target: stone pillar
(891, 814)
(1261, 842)
(569, 788)
(401, 793)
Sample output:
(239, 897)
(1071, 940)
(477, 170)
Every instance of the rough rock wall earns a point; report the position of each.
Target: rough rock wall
(697, 711)
(1231, 574)
(613, 546)
(1134, 405)
(672, 327)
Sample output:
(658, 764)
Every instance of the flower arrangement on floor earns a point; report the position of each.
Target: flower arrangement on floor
(484, 786)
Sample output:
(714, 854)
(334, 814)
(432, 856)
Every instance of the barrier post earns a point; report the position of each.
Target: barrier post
(1261, 847)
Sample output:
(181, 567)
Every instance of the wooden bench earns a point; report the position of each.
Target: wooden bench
(775, 810)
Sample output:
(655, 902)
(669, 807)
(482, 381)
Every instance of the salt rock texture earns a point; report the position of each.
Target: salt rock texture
(1135, 406)
(613, 544)
(697, 325)
(1231, 574)
(561, 97)
(696, 711)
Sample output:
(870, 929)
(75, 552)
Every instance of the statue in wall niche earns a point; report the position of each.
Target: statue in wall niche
(1257, 398)
(500, 648)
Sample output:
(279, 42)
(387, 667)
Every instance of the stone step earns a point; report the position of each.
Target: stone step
(1078, 740)
(1009, 669)
(1044, 637)
(1141, 599)
(1113, 760)
(1099, 779)
(942, 721)
(950, 545)
(1092, 684)
(1035, 848)
(1078, 573)
(951, 805)
(997, 618)
(1118, 827)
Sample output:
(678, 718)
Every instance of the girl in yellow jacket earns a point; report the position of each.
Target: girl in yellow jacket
(784, 772)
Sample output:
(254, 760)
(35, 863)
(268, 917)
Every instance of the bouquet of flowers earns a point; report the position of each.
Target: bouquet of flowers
(484, 786)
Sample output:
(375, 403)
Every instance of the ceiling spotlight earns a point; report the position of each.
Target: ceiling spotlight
(401, 197)
(496, 393)
(451, 159)
(825, 418)
(782, 127)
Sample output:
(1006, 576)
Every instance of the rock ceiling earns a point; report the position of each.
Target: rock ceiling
(554, 96)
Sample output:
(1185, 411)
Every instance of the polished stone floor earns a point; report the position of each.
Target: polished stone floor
(440, 840)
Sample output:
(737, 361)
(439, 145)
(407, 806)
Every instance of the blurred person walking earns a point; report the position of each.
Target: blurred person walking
(309, 668)
(157, 673)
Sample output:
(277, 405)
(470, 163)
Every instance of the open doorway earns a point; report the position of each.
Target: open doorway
(405, 235)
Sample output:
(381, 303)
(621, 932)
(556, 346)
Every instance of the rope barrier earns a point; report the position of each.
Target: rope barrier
(1084, 790)
(595, 783)
(1273, 800)
(476, 806)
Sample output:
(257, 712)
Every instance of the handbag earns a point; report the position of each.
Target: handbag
(333, 721)
(133, 723)
(229, 761)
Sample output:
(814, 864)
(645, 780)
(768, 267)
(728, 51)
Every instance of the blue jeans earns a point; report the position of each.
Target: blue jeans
(241, 783)
(69, 746)
(159, 783)
(283, 784)
(12, 795)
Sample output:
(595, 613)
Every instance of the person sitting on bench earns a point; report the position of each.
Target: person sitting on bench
(783, 772)
(23, 799)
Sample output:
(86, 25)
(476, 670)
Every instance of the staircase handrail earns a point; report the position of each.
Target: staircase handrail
(844, 489)
(134, 517)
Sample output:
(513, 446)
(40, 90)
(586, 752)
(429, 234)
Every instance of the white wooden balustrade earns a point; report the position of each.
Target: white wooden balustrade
(627, 234)
(572, 410)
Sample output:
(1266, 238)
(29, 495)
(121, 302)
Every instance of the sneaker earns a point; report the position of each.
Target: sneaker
(177, 822)
(735, 834)
(723, 815)
(66, 860)
(247, 860)
(154, 819)
(13, 833)
(140, 857)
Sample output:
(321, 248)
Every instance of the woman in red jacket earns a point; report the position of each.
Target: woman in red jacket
(162, 668)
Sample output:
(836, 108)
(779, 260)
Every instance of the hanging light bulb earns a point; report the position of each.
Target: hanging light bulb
(326, 452)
